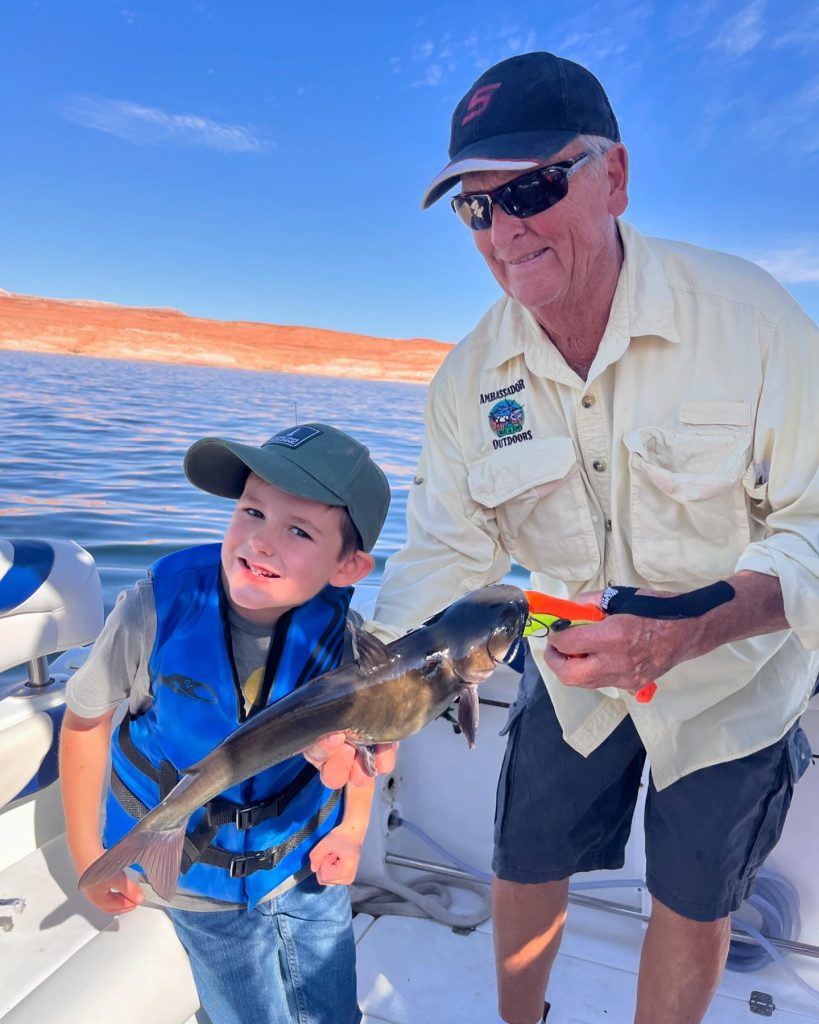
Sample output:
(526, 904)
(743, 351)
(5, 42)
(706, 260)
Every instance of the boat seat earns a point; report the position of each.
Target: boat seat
(65, 962)
(26, 738)
(50, 599)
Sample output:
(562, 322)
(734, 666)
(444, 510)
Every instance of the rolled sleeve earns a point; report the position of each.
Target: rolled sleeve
(105, 679)
(786, 459)
(452, 541)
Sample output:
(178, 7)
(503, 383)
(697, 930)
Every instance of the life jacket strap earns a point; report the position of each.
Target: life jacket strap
(198, 850)
(218, 811)
(198, 847)
(223, 812)
(263, 860)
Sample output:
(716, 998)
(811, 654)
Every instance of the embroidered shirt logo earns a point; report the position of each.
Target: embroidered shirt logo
(479, 101)
(494, 396)
(506, 417)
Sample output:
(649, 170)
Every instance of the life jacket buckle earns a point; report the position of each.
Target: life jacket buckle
(241, 867)
(245, 818)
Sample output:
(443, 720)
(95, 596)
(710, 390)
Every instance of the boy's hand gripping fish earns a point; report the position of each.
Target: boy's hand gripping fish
(389, 692)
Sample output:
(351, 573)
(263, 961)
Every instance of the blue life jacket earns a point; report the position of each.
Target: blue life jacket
(268, 824)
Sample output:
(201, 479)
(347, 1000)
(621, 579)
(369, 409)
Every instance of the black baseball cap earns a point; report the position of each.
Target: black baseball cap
(312, 460)
(520, 113)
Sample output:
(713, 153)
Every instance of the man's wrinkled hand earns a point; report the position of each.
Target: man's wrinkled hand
(339, 762)
(624, 651)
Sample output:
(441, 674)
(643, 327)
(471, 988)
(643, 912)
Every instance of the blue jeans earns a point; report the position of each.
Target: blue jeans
(291, 959)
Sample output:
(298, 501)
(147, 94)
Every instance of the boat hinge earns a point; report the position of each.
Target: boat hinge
(761, 1003)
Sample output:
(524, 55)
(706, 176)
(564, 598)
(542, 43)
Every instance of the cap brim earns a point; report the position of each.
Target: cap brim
(518, 152)
(221, 467)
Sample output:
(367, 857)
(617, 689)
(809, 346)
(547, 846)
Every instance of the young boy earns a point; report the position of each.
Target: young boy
(215, 634)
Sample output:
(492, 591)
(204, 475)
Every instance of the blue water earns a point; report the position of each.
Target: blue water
(92, 449)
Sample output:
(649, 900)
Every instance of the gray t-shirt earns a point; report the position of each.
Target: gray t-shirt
(116, 671)
(117, 668)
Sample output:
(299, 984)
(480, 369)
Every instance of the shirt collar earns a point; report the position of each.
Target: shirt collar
(642, 306)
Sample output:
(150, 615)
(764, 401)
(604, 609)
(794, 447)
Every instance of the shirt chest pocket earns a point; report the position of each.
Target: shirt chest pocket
(537, 492)
(689, 516)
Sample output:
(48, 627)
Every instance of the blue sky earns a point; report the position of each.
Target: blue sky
(265, 160)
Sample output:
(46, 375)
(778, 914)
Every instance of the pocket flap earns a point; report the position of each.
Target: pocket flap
(730, 414)
(688, 466)
(509, 472)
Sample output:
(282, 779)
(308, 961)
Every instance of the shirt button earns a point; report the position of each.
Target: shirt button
(587, 401)
(599, 466)
(608, 525)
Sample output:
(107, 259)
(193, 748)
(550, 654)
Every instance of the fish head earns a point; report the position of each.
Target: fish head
(483, 630)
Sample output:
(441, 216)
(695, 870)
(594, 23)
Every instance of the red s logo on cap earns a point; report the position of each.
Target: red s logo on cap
(479, 101)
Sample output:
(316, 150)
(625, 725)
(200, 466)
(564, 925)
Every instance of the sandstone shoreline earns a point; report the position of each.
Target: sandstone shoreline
(108, 331)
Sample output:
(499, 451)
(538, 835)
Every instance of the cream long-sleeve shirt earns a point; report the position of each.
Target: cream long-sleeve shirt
(689, 453)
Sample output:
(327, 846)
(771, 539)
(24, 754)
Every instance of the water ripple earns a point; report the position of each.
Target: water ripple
(93, 448)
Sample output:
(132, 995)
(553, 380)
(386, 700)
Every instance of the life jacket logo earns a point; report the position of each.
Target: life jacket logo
(187, 687)
(479, 101)
(506, 417)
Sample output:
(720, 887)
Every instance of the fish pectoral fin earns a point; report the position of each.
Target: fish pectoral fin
(370, 653)
(367, 751)
(468, 708)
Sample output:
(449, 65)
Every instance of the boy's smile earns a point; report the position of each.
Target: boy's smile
(280, 550)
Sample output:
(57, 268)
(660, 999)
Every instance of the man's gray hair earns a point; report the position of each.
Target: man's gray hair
(595, 145)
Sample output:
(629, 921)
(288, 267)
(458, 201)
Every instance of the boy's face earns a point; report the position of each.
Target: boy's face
(280, 550)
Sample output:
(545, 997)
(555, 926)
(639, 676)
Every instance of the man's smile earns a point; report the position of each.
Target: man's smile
(528, 258)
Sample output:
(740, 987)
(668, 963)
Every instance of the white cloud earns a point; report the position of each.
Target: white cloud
(743, 32)
(689, 19)
(792, 121)
(798, 265)
(433, 75)
(432, 62)
(151, 126)
(803, 33)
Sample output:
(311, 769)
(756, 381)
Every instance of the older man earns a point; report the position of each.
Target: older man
(634, 412)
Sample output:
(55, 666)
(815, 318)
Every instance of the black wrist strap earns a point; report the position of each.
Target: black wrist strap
(626, 601)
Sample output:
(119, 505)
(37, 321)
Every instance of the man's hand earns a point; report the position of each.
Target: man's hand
(626, 651)
(117, 895)
(631, 651)
(339, 762)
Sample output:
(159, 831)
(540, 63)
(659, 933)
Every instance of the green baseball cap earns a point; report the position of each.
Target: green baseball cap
(312, 460)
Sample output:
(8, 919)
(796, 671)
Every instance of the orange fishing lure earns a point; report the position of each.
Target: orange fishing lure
(545, 611)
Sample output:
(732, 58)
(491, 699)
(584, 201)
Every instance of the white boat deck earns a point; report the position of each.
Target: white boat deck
(413, 971)
(64, 962)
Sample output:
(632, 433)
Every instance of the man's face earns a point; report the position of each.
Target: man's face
(279, 551)
(550, 261)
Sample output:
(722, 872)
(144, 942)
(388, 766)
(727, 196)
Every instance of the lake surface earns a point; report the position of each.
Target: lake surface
(92, 449)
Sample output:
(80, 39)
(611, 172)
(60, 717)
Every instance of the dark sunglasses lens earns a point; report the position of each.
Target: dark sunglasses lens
(474, 211)
(534, 193)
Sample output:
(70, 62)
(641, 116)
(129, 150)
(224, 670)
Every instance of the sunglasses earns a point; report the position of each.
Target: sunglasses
(521, 197)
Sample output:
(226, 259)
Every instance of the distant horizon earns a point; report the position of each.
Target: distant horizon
(266, 165)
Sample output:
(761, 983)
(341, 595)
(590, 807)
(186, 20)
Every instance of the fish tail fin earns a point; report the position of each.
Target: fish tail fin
(157, 851)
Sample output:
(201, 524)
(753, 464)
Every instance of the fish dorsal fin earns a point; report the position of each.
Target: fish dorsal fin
(370, 653)
(468, 707)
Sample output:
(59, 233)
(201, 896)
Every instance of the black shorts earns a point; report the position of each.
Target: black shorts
(558, 813)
